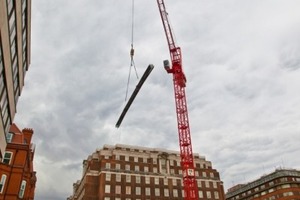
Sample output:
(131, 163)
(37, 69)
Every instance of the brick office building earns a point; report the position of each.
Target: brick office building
(17, 177)
(282, 184)
(15, 32)
(123, 172)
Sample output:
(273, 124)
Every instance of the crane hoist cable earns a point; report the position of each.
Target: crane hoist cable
(132, 64)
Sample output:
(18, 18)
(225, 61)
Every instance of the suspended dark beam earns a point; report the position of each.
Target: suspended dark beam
(137, 89)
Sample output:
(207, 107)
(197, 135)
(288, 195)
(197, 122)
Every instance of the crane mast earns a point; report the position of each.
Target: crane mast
(179, 82)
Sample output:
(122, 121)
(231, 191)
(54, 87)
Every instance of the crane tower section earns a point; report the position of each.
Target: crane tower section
(179, 82)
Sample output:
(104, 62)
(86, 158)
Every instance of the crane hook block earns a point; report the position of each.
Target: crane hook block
(131, 52)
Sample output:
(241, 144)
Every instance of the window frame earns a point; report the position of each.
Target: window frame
(107, 189)
(10, 158)
(22, 189)
(2, 182)
(9, 137)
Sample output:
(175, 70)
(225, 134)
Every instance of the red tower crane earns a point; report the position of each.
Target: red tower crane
(179, 81)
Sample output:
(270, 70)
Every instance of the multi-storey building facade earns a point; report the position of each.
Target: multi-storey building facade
(17, 176)
(15, 34)
(282, 184)
(123, 172)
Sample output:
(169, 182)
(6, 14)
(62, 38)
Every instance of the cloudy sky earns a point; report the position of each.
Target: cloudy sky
(241, 59)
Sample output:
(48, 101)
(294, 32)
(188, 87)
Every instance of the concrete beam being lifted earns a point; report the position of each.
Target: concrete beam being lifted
(135, 92)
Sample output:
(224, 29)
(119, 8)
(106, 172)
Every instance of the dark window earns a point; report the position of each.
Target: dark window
(7, 157)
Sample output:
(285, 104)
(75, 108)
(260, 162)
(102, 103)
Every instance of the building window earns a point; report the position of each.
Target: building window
(148, 191)
(200, 194)
(118, 189)
(107, 165)
(284, 179)
(12, 22)
(199, 183)
(13, 49)
(107, 188)
(107, 177)
(157, 193)
(165, 181)
(154, 161)
(166, 192)
(2, 183)
(10, 5)
(163, 166)
(137, 179)
(127, 167)
(272, 197)
(288, 194)
(22, 189)
(211, 175)
(138, 190)
(156, 180)
(118, 177)
(286, 186)
(175, 163)
(146, 169)
(9, 137)
(118, 166)
(271, 190)
(4, 105)
(137, 168)
(216, 195)
(171, 162)
(215, 184)
(128, 189)
(175, 193)
(204, 174)
(7, 157)
(147, 180)
(206, 184)
(208, 194)
(174, 182)
(128, 178)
